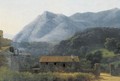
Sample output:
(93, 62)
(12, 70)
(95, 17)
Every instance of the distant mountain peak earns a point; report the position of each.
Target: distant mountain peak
(48, 14)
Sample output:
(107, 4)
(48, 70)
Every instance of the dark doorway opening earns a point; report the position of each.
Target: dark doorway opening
(46, 63)
(64, 65)
(55, 63)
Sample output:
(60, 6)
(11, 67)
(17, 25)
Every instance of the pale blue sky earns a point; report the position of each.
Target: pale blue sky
(15, 14)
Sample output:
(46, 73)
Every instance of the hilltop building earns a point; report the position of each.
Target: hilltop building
(1, 34)
(4, 41)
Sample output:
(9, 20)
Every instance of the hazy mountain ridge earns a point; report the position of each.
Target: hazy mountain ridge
(108, 18)
(53, 28)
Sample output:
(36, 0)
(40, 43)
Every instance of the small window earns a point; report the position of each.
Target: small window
(46, 63)
(55, 63)
(63, 65)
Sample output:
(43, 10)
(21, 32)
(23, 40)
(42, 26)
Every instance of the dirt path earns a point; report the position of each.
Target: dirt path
(108, 77)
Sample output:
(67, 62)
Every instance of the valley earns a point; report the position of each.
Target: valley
(56, 47)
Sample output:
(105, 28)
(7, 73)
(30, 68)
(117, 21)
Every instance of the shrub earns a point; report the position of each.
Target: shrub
(7, 75)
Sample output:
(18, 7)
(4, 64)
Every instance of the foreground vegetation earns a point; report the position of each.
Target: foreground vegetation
(7, 75)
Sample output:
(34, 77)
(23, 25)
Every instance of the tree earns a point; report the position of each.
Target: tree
(11, 49)
(94, 57)
(118, 48)
(111, 44)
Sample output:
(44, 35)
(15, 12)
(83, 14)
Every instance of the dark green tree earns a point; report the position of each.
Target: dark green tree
(11, 49)
(117, 50)
(111, 43)
(94, 58)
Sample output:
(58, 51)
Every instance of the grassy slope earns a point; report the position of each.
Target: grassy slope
(106, 53)
(4, 48)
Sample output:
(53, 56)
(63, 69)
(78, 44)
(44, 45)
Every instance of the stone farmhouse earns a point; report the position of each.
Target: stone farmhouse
(57, 64)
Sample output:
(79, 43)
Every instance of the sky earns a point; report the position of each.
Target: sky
(15, 14)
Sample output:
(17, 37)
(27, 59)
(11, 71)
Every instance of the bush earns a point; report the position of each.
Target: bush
(7, 75)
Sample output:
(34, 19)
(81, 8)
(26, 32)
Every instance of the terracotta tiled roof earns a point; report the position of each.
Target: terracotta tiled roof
(59, 59)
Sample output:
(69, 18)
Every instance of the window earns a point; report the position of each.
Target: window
(46, 63)
(63, 65)
(55, 63)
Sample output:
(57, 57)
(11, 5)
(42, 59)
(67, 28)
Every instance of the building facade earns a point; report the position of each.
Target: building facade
(58, 64)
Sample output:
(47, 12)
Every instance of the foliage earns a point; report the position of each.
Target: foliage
(7, 75)
(113, 44)
(12, 49)
(105, 67)
(83, 42)
(35, 48)
(105, 53)
(94, 58)
(85, 64)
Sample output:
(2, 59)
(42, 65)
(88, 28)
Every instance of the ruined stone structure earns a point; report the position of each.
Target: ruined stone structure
(19, 62)
(58, 64)
(1, 34)
(4, 41)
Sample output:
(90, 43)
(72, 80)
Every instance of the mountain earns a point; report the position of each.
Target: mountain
(53, 28)
(108, 18)
(48, 27)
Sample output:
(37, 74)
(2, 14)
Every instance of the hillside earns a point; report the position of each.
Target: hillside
(86, 41)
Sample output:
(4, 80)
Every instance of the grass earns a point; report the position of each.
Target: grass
(74, 75)
(108, 77)
(7, 75)
(4, 48)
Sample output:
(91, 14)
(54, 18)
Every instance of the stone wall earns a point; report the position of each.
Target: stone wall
(59, 67)
(114, 71)
(4, 41)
